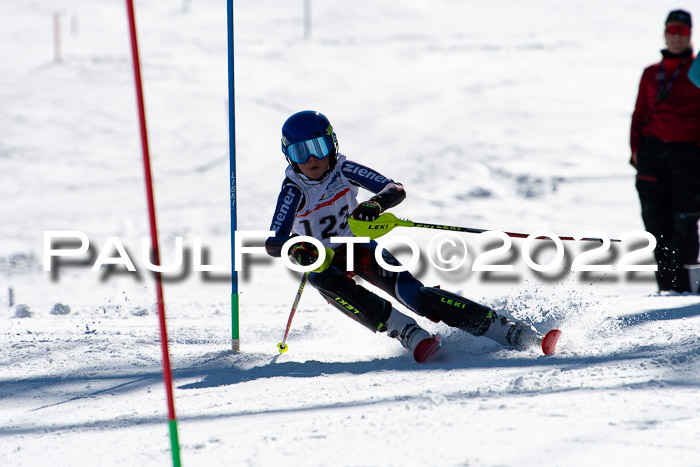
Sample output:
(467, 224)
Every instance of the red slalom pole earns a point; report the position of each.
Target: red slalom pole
(167, 372)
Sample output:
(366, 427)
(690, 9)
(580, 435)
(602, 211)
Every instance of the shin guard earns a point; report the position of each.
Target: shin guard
(355, 301)
(455, 310)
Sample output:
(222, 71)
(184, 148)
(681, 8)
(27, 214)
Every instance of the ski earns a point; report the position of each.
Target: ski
(549, 341)
(427, 349)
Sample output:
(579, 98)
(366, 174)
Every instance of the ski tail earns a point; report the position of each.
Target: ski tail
(549, 341)
(427, 349)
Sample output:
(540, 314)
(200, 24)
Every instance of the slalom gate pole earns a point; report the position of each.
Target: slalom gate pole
(282, 346)
(387, 221)
(167, 372)
(235, 335)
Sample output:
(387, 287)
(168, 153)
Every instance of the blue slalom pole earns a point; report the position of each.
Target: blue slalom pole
(235, 336)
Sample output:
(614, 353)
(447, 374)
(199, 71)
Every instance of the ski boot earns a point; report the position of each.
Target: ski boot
(412, 337)
(694, 278)
(479, 320)
(518, 334)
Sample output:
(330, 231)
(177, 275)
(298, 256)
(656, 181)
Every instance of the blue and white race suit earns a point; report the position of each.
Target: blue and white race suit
(321, 209)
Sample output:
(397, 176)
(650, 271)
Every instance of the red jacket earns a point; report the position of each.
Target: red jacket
(674, 119)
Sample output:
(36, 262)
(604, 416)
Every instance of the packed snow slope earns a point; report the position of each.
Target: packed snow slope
(502, 115)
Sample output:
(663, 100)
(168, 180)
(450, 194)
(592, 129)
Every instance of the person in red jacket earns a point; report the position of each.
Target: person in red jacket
(665, 143)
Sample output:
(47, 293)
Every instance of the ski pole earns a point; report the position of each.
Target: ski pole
(387, 221)
(282, 346)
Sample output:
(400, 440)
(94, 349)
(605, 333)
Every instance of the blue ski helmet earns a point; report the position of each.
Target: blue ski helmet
(308, 134)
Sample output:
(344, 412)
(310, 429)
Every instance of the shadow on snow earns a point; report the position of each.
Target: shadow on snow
(228, 368)
(664, 314)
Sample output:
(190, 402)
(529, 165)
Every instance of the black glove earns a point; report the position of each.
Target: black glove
(304, 253)
(367, 211)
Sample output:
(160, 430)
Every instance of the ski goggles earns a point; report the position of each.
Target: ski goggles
(319, 148)
(678, 29)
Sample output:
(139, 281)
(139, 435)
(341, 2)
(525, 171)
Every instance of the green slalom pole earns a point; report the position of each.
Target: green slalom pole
(174, 442)
(235, 335)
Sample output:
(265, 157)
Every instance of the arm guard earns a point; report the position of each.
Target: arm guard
(288, 202)
(391, 195)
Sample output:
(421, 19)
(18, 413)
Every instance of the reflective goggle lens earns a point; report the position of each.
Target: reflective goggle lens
(678, 29)
(319, 148)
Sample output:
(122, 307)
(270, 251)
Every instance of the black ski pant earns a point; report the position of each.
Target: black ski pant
(668, 183)
(369, 309)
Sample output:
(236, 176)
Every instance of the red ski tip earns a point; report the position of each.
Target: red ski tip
(427, 348)
(549, 341)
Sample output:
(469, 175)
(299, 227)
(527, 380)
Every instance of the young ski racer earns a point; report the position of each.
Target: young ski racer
(317, 196)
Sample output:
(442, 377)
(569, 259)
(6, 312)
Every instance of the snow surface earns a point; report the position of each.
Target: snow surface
(503, 115)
